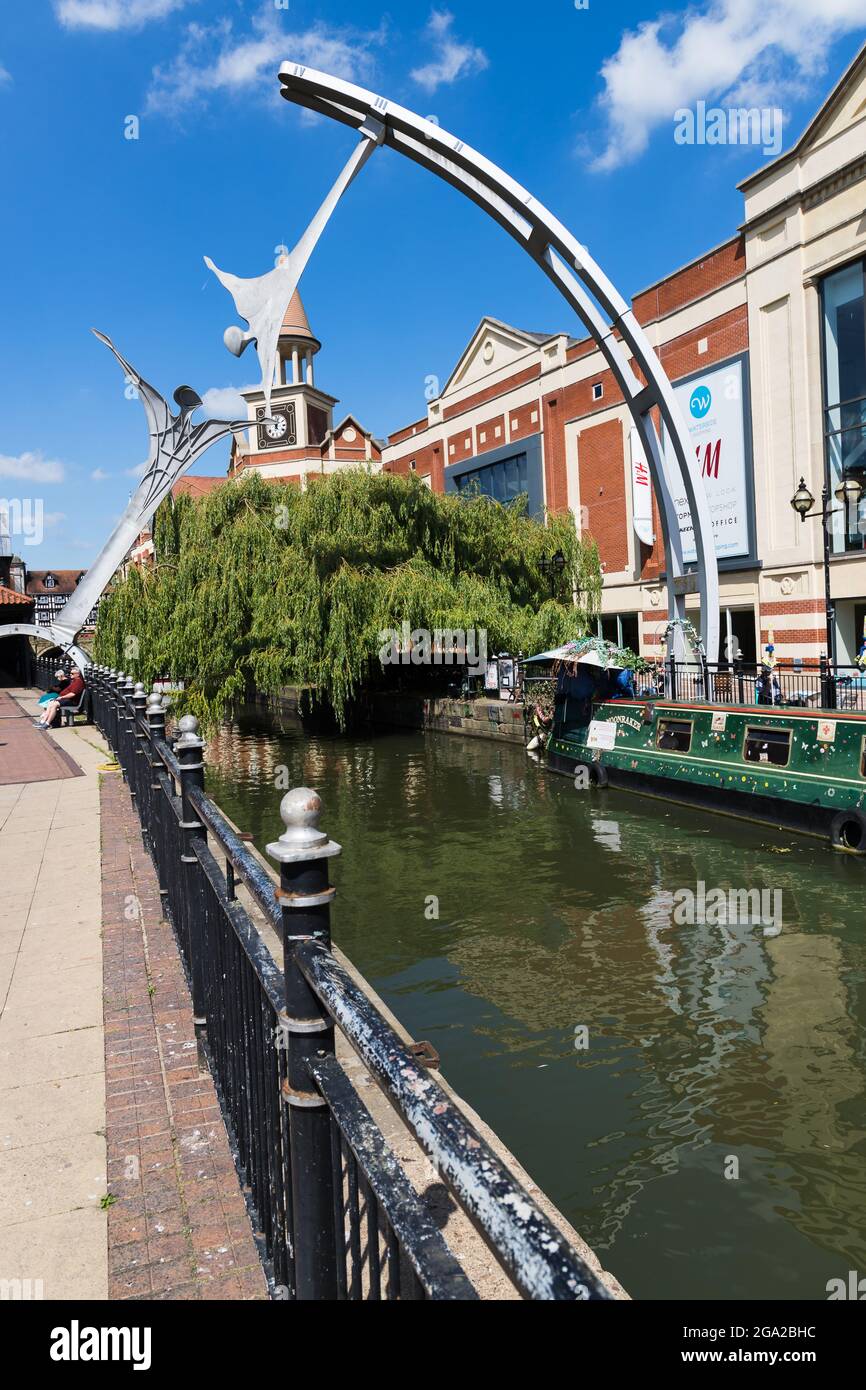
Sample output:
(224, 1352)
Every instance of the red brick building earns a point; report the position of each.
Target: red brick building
(764, 338)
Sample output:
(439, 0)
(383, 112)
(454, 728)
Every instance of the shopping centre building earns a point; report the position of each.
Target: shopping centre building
(764, 338)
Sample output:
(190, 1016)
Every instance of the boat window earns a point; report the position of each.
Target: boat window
(768, 746)
(675, 735)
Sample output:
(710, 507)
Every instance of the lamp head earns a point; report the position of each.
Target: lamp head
(802, 501)
(849, 491)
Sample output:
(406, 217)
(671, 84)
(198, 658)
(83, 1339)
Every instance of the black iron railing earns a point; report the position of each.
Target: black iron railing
(786, 685)
(334, 1211)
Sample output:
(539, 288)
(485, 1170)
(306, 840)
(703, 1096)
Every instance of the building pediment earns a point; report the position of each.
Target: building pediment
(493, 347)
(845, 107)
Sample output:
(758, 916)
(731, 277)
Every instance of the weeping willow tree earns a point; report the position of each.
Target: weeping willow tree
(262, 585)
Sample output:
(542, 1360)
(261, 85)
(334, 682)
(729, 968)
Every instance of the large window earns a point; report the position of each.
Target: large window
(844, 309)
(621, 629)
(503, 481)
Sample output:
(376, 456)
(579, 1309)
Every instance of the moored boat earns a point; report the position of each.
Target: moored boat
(783, 758)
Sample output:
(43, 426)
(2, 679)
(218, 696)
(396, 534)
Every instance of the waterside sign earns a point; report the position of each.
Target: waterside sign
(713, 408)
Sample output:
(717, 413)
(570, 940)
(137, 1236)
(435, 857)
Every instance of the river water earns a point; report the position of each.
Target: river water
(690, 1096)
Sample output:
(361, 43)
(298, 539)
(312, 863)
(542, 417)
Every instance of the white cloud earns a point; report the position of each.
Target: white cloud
(758, 52)
(99, 475)
(109, 15)
(225, 403)
(53, 518)
(453, 58)
(33, 467)
(5, 75)
(215, 58)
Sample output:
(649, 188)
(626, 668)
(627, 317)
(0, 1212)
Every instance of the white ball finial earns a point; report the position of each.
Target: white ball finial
(300, 811)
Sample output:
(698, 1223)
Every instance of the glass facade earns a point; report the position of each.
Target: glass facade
(844, 313)
(503, 481)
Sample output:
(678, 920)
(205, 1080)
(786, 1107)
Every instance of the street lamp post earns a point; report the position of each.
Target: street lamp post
(552, 568)
(849, 492)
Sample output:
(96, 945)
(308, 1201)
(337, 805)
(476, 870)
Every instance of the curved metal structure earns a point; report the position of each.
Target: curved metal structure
(585, 288)
(51, 635)
(175, 445)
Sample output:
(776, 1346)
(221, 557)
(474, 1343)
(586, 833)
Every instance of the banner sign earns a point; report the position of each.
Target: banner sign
(641, 491)
(712, 406)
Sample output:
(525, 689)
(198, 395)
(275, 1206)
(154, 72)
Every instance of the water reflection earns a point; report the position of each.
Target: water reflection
(556, 911)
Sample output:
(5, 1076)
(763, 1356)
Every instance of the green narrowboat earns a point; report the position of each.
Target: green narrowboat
(796, 767)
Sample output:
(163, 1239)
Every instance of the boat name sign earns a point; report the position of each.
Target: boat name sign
(602, 734)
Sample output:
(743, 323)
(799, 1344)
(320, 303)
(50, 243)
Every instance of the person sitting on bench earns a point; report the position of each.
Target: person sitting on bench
(59, 682)
(70, 695)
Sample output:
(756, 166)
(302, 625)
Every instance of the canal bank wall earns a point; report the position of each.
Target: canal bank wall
(479, 718)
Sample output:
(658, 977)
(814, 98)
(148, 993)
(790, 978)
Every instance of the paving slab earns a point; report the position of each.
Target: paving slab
(53, 1165)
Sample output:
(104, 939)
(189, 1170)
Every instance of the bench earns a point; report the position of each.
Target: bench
(68, 712)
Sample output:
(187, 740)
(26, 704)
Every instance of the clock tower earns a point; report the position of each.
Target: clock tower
(289, 441)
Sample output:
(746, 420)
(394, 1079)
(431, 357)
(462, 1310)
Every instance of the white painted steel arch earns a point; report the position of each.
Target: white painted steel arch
(585, 288)
(58, 636)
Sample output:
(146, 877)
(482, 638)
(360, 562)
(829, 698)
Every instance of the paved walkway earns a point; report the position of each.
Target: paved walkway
(116, 1177)
(26, 755)
(178, 1228)
(52, 1072)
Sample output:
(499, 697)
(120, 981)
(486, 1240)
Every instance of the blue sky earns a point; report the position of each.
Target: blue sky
(100, 230)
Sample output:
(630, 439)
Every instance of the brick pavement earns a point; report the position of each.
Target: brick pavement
(26, 755)
(179, 1227)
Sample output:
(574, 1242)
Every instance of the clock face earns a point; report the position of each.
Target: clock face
(277, 427)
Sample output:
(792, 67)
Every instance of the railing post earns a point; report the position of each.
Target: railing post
(156, 731)
(305, 895)
(189, 750)
(119, 719)
(141, 760)
(127, 733)
(102, 676)
(111, 711)
(828, 684)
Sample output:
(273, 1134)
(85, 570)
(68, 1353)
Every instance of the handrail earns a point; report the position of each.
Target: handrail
(435, 1267)
(317, 1165)
(256, 878)
(269, 975)
(529, 1245)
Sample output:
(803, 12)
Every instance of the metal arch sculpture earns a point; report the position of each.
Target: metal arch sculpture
(263, 300)
(175, 444)
(585, 288)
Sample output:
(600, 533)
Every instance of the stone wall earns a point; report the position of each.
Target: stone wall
(472, 718)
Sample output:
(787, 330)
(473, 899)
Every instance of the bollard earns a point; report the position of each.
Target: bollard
(188, 750)
(304, 896)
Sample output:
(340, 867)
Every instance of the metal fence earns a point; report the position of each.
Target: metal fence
(335, 1213)
(786, 685)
